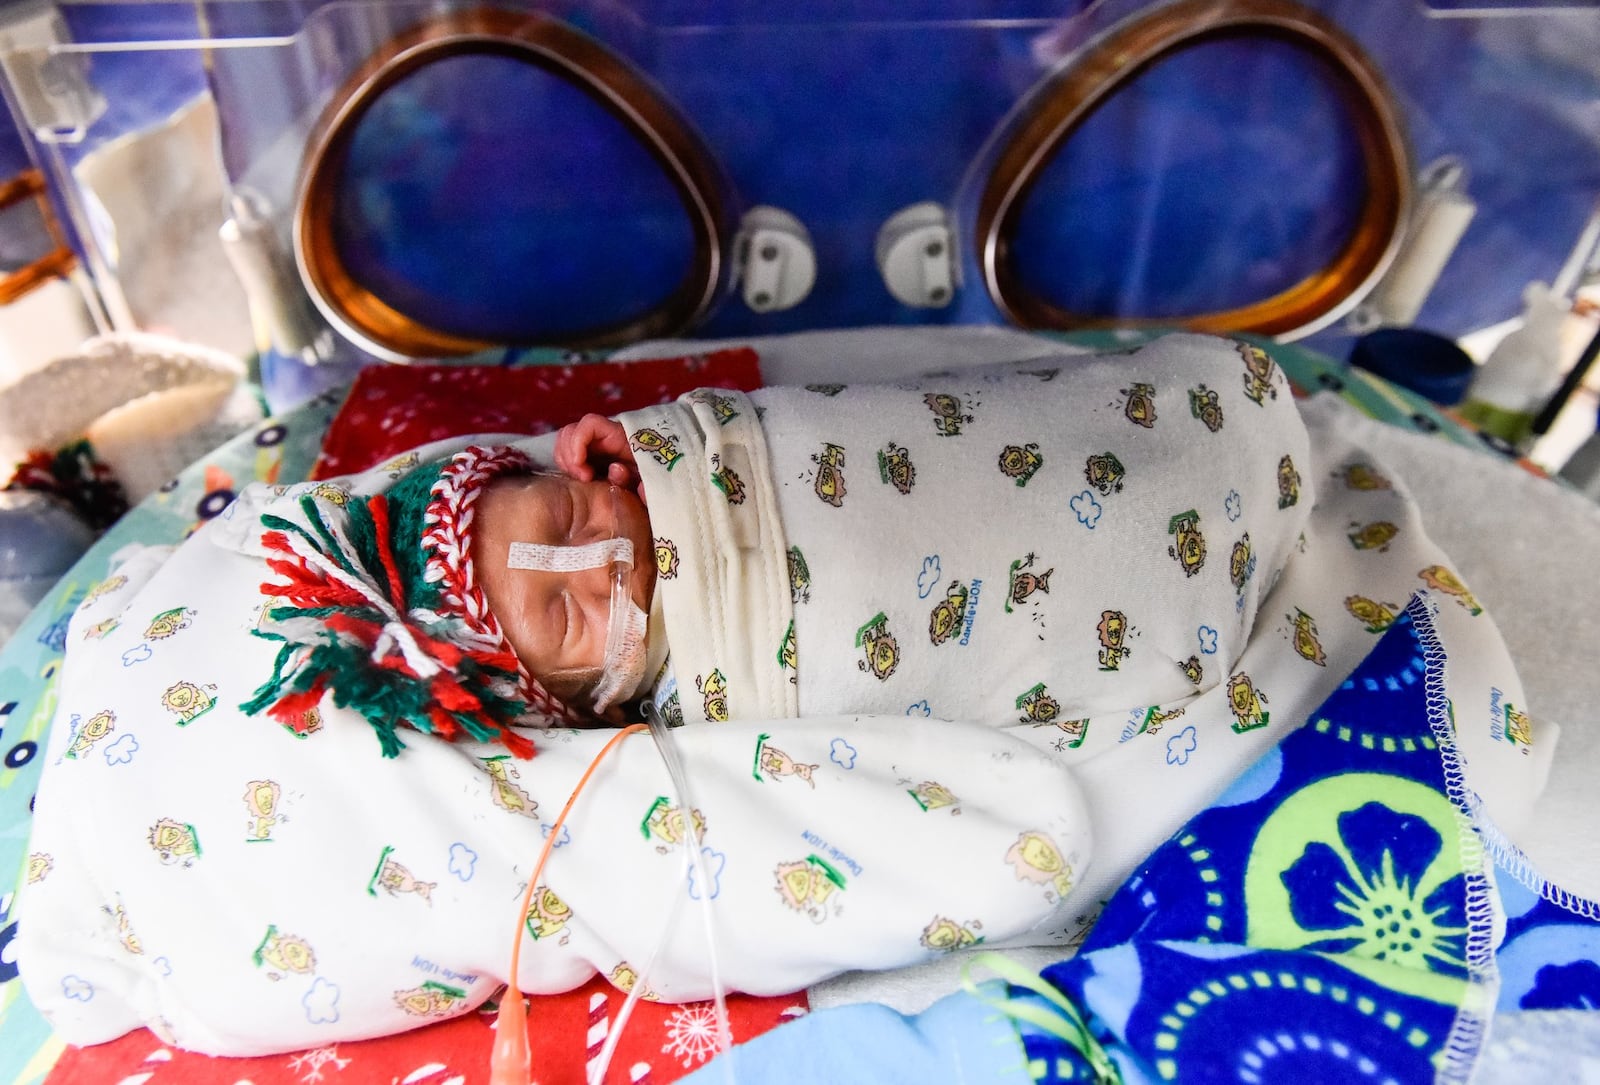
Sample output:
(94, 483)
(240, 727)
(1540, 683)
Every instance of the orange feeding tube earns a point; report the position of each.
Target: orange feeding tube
(511, 1062)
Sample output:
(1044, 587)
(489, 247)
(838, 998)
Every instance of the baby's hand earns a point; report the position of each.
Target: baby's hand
(595, 443)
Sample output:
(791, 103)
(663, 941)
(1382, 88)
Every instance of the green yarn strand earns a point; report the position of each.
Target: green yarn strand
(308, 505)
(363, 534)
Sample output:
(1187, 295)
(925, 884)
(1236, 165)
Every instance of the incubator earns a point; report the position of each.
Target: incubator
(729, 173)
(325, 188)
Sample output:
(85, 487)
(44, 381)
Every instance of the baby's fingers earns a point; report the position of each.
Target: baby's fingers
(572, 453)
(606, 437)
(622, 474)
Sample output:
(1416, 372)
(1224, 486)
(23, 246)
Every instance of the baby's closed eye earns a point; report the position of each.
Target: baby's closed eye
(572, 620)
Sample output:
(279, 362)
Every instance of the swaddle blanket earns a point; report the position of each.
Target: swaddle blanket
(1035, 543)
(242, 889)
(1144, 563)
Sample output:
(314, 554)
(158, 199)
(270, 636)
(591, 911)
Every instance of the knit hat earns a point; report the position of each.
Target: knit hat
(379, 606)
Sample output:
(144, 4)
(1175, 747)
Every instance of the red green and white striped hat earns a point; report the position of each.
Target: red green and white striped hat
(378, 607)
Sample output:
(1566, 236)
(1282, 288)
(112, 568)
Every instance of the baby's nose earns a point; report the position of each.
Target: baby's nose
(592, 585)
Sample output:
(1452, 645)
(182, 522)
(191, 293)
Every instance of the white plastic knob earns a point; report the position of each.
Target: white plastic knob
(778, 266)
(1441, 216)
(915, 258)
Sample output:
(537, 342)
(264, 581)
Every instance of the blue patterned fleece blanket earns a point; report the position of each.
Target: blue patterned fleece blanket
(1334, 917)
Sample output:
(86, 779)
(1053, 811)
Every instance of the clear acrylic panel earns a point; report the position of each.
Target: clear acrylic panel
(1225, 172)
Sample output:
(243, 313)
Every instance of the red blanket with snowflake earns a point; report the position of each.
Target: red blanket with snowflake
(659, 1043)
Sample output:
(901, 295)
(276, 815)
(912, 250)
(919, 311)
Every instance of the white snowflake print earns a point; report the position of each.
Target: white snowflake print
(314, 1060)
(692, 1033)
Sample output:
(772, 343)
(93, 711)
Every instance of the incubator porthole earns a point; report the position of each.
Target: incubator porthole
(416, 154)
(1024, 223)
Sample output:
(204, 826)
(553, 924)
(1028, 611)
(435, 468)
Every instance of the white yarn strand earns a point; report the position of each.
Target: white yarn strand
(395, 633)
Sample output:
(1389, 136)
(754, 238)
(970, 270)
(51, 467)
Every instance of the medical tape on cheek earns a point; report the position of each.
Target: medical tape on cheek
(624, 665)
(569, 559)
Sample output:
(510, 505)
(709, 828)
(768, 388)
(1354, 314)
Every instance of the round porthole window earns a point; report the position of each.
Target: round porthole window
(1126, 185)
(498, 178)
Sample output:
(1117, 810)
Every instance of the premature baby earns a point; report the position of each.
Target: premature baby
(953, 656)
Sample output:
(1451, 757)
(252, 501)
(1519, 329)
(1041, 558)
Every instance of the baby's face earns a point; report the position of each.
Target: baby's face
(556, 622)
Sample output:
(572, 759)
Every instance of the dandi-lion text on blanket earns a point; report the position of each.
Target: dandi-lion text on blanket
(954, 635)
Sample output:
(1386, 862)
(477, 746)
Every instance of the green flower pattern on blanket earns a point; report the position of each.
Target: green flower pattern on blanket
(1369, 879)
(1313, 925)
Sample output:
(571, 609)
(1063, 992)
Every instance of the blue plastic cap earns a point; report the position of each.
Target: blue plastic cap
(1425, 362)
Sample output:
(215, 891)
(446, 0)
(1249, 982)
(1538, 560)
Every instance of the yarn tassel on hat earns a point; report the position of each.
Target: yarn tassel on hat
(341, 614)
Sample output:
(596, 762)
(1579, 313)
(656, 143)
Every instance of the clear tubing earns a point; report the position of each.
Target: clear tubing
(668, 748)
(597, 1069)
(623, 636)
(623, 665)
